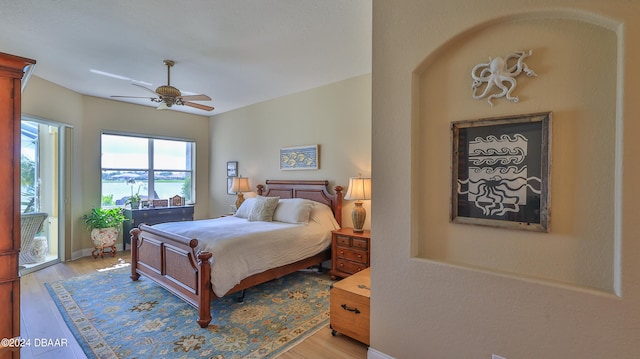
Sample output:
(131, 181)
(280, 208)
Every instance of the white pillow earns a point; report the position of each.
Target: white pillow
(263, 209)
(323, 215)
(245, 208)
(293, 210)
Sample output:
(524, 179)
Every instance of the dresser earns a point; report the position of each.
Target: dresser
(350, 252)
(11, 71)
(349, 306)
(151, 216)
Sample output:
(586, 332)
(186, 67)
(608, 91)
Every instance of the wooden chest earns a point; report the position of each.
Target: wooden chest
(350, 306)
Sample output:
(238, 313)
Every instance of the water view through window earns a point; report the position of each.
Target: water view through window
(152, 168)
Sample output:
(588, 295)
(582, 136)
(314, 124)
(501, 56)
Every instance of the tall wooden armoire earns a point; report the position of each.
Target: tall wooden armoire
(11, 71)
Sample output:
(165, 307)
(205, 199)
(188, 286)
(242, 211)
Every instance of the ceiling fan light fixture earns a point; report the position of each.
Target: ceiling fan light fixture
(168, 91)
(169, 95)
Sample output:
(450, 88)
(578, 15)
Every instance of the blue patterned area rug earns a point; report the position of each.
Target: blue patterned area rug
(114, 317)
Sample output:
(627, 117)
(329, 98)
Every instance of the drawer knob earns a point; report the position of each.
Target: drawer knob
(355, 310)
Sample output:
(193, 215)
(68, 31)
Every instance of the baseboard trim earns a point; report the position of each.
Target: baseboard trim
(374, 354)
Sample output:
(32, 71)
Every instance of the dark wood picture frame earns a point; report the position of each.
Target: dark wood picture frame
(229, 185)
(232, 168)
(500, 172)
(177, 201)
(160, 203)
(232, 171)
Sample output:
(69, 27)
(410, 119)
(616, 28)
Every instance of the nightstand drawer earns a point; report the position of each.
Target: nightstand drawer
(349, 267)
(356, 256)
(361, 244)
(343, 241)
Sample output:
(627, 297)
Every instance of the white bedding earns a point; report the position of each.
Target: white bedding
(242, 248)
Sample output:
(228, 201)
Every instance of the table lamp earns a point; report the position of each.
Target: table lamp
(359, 189)
(239, 185)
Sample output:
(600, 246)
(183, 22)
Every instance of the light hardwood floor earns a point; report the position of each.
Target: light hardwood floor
(40, 318)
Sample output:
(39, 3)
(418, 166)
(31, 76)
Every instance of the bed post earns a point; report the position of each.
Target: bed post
(260, 189)
(134, 253)
(204, 288)
(338, 206)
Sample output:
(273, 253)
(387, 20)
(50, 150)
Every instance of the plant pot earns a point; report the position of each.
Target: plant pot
(135, 205)
(39, 248)
(104, 237)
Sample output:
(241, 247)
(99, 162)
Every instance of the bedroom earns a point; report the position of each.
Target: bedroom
(335, 116)
(543, 320)
(342, 103)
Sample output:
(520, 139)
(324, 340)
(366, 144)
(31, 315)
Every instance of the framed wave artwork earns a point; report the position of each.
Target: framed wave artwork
(500, 172)
(299, 158)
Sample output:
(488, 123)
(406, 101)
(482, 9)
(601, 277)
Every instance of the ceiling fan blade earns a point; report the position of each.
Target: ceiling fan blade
(146, 88)
(199, 106)
(135, 97)
(196, 98)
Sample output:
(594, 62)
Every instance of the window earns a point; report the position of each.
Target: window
(154, 168)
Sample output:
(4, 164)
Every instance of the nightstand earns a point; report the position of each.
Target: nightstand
(350, 252)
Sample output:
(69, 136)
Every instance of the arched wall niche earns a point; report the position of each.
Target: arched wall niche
(575, 55)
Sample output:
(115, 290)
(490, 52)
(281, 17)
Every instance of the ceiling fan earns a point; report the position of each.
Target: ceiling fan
(168, 95)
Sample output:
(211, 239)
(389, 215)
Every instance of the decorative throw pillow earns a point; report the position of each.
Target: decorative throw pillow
(263, 209)
(245, 208)
(293, 210)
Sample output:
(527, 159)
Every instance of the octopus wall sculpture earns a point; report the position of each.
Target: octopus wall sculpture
(499, 74)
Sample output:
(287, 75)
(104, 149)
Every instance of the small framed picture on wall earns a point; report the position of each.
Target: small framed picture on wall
(230, 185)
(232, 169)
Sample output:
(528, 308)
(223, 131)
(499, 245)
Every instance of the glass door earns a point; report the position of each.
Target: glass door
(41, 193)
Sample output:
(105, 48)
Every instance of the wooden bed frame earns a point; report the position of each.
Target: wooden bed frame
(170, 260)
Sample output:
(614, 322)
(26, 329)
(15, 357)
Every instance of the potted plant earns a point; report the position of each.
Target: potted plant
(104, 224)
(135, 199)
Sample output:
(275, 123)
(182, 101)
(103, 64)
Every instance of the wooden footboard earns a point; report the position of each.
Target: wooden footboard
(171, 260)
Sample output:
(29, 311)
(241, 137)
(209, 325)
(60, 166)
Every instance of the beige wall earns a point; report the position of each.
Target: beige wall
(469, 291)
(89, 116)
(570, 58)
(336, 116)
(46, 100)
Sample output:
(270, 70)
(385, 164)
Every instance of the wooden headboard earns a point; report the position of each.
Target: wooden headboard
(308, 189)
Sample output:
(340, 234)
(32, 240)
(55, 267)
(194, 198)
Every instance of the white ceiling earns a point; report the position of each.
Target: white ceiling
(238, 52)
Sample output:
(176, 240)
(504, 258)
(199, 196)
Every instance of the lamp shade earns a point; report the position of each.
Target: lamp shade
(240, 184)
(359, 189)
